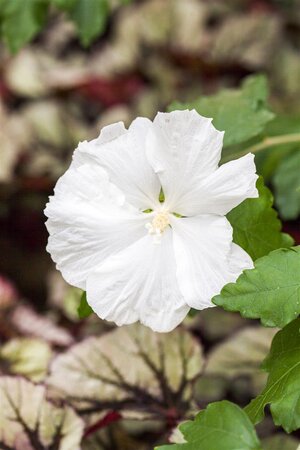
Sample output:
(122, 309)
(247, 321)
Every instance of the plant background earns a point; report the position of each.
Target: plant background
(55, 92)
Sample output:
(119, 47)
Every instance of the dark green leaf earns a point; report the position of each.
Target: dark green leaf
(221, 426)
(21, 21)
(90, 17)
(256, 227)
(282, 391)
(287, 186)
(241, 113)
(84, 309)
(269, 292)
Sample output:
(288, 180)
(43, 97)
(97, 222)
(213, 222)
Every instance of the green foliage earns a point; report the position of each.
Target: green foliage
(241, 113)
(222, 425)
(287, 186)
(282, 391)
(256, 227)
(269, 159)
(84, 309)
(89, 16)
(21, 20)
(269, 292)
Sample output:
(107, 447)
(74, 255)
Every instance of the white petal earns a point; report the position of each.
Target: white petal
(183, 149)
(223, 190)
(123, 155)
(239, 260)
(88, 220)
(111, 132)
(139, 283)
(205, 258)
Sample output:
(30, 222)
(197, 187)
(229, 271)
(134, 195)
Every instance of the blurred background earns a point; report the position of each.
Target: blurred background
(54, 92)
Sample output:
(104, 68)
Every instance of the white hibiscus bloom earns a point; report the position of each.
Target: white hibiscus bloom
(137, 257)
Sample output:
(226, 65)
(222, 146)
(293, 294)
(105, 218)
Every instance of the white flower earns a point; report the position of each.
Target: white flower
(139, 258)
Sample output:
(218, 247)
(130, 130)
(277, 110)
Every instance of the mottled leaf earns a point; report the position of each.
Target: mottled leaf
(269, 292)
(30, 323)
(241, 354)
(8, 293)
(222, 425)
(130, 368)
(256, 227)
(282, 390)
(114, 437)
(28, 357)
(241, 113)
(29, 421)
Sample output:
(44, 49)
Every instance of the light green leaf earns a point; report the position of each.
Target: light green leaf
(269, 292)
(84, 309)
(256, 227)
(89, 16)
(27, 356)
(21, 21)
(222, 425)
(241, 113)
(241, 355)
(282, 390)
(287, 186)
(29, 421)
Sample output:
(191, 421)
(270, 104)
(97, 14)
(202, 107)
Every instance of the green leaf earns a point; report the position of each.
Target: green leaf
(269, 159)
(84, 309)
(222, 425)
(256, 227)
(90, 17)
(287, 186)
(282, 390)
(21, 21)
(269, 292)
(241, 113)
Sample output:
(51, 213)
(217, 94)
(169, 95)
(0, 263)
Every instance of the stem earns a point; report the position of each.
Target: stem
(265, 143)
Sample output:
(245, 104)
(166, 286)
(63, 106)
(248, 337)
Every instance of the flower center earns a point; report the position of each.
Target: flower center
(160, 222)
(158, 225)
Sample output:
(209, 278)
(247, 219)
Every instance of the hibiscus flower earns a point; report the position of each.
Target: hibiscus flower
(138, 219)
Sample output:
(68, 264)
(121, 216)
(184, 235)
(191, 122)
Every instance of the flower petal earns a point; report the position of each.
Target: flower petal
(183, 149)
(139, 283)
(239, 260)
(222, 190)
(89, 220)
(123, 155)
(205, 258)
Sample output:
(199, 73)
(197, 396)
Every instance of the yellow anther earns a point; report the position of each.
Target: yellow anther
(161, 221)
(158, 225)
